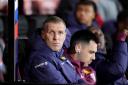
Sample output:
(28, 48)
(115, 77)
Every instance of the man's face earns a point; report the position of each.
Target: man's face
(85, 14)
(47, 6)
(87, 52)
(54, 35)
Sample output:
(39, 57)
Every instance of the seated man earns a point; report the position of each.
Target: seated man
(47, 63)
(83, 47)
(113, 68)
(84, 16)
(108, 72)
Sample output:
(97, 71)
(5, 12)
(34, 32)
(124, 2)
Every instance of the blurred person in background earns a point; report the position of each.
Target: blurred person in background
(69, 7)
(41, 7)
(110, 29)
(100, 35)
(111, 71)
(4, 7)
(108, 9)
(83, 17)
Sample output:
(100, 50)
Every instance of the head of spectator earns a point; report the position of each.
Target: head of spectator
(54, 32)
(100, 35)
(42, 7)
(86, 12)
(4, 6)
(122, 20)
(122, 23)
(83, 45)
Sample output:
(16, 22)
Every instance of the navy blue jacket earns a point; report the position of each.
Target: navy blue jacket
(110, 30)
(111, 71)
(49, 67)
(74, 25)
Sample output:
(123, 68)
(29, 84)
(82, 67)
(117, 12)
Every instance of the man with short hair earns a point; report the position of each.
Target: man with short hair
(47, 63)
(83, 46)
(83, 17)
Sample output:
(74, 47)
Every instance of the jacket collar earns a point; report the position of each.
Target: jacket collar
(40, 46)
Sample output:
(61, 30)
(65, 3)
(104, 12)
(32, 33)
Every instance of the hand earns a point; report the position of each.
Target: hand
(122, 35)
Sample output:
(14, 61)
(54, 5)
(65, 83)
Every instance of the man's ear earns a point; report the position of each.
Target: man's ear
(78, 48)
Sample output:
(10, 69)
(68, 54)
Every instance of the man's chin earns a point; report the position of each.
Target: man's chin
(82, 22)
(56, 49)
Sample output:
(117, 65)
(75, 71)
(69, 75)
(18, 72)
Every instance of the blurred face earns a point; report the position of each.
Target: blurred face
(54, 35)
(85, 14)
(47, 6)
(87, 52)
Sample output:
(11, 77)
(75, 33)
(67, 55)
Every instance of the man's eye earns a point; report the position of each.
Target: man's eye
(61, 32)
(51, 32)
(92, 52)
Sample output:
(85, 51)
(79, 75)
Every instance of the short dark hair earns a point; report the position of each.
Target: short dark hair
(87, 2)
(122, 16)
(52, 19)
(81, 36)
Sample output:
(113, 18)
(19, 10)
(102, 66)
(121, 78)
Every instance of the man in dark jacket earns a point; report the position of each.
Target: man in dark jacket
(110, 30)
(47, 63)
(111, 71)
(83, 16)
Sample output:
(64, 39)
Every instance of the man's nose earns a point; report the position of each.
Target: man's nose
(93, 57)
(56, 36)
